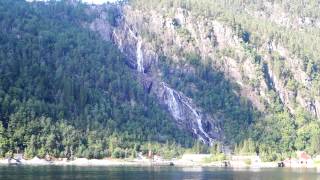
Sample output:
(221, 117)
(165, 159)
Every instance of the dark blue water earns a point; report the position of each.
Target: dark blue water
(145, 173)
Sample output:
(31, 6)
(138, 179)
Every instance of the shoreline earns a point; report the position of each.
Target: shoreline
(143, 163)
(84, 162)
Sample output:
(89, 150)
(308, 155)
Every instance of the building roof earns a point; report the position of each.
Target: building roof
(303, 155)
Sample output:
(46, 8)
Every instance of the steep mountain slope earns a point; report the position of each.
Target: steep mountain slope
(241, 70)
(66, 92)
(94, 81)
(145, 61)
(216, 33)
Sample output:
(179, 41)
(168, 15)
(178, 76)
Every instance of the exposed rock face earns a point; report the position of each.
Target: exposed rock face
(276, 13)
(183, 110)
(131, 44)
(145, 35)
(304, 83)
(215, 41)
(183, 34)
(141, 57)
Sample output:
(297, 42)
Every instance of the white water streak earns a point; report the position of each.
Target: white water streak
(173, 104)
(140, 67)
(199, 121)
(175, 110)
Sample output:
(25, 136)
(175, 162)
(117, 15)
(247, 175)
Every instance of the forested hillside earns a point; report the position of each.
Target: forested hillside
(255, 63)
(80, 80)
(65, 92)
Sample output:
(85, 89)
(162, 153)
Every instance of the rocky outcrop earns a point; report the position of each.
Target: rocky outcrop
(143, 36)
(183, 33)
(276, 13)
(291, 96)
(142, 57)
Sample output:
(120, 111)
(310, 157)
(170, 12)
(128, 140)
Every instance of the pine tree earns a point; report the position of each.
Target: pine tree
(3, 141)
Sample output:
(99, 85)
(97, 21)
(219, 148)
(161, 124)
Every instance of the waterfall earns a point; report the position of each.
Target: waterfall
(174, 108)
(173, 104)
(139, 53)
(199, 123)
(175, 101)
(140, 67)
(200, 137)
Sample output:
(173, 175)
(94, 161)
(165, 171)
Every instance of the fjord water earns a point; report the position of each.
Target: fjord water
(145, 173)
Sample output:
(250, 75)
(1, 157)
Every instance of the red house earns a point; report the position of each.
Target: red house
(303, 157)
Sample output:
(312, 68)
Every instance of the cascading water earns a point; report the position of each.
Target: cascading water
(140, 67)
(178, 104)
(180, 107)
(173, 104)
(199, 123)
(175, 100)
(139, 53)
(174, 108)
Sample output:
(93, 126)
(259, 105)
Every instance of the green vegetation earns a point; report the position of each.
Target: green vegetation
(302, 43)
(275, 133)
(65, 92)
(216, 154)
(212, 91)
(215, 158)
(248, 162)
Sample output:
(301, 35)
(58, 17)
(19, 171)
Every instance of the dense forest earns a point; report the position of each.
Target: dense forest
(275, 133)
(66, 93)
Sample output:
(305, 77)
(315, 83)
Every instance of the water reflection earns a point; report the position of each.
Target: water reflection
(192, 169)
(156, 172)
(255, 169)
